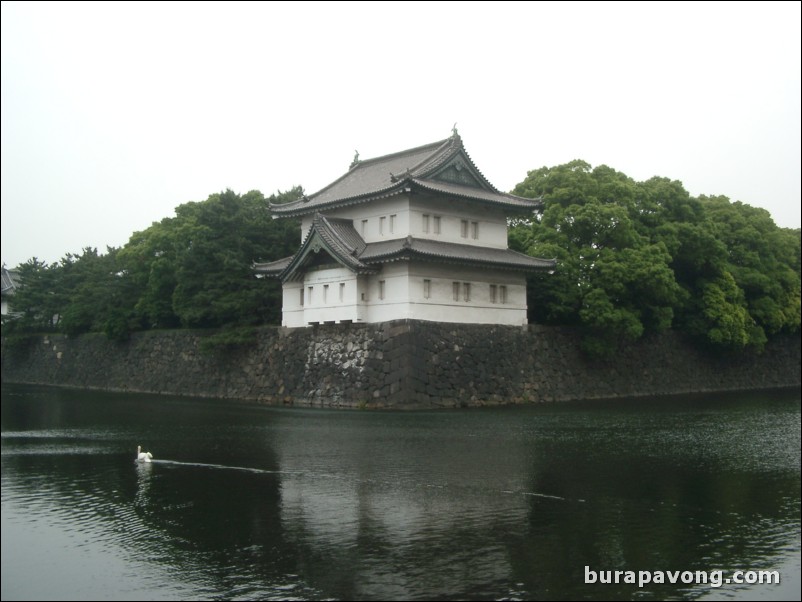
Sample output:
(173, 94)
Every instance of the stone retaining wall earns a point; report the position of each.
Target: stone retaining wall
(401, 364)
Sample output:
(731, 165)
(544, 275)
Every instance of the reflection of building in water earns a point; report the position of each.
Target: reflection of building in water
(414, 532)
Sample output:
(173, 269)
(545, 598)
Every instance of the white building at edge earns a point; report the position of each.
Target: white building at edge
(418, 234)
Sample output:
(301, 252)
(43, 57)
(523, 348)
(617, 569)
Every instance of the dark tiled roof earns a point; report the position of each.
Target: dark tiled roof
(345, 244)
(500, 198)
(337, 236)
(10, 281)
(272, 268)
(373, 175)
(449, 252)
(340, 233)
(419, 168)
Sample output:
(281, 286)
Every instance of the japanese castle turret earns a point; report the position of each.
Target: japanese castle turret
(419, 234)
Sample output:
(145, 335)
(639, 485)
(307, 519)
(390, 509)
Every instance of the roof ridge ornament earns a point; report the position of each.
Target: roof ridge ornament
(407, 175)
(456, 140)
(355, 162)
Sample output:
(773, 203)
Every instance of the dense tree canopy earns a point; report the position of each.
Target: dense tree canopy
(191, 270)
(638, 257)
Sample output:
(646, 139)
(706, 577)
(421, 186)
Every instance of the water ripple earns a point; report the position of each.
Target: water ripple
(313, 505)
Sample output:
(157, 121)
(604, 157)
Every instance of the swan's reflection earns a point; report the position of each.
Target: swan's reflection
(144, 472)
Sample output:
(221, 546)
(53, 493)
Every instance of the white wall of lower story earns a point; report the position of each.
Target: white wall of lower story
(479, 308)
(399, 291)
(329, 295)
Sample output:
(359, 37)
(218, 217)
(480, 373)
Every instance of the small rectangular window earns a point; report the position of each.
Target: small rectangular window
(475, 230)
(382, 220)
(309, 298)
(301, 290)
(427, 288)
(463, 232)
(502, 293)
(342, 291)
(425, 224)
(325, 293)
(466, 288)
(493, 293)
(364, 227)
(381, 289)
(437, 224)
(455, 287)
(392, 224)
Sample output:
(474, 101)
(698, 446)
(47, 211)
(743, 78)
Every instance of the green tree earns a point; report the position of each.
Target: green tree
(81, 293)
(635, 257)
(39, 299)
(764, 262)
(193, 270)
(149, 262)
(95, 292)
(219, 240)
(612, 280)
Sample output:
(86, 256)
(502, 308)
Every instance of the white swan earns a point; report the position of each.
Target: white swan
(142, 456)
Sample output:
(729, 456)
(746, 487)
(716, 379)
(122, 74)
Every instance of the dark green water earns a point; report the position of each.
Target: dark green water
(244, 502)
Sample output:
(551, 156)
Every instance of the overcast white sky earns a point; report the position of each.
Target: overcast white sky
(115, 113)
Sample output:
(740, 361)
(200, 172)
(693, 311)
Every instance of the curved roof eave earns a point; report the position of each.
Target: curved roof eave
(407, 184)
(299, 211)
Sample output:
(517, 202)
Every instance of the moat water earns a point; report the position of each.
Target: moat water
(513, 503)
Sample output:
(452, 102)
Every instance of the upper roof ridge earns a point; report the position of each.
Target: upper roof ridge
(361, 164)
(410, 151)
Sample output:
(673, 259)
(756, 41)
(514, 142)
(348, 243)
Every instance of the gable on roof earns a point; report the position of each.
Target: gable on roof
(442, 166)
(330, 240)
(459, 171)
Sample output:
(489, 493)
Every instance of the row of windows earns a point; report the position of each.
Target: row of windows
(310, 291)
(383, 227)
(430, 223)
(461, 290)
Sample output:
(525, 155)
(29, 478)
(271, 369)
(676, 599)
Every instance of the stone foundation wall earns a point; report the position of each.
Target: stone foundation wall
(401, 364)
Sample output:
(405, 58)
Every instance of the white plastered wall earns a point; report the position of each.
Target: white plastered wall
(402, 215)
(394, 210)
(405, 297)
(329, 295)
(492, 223)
